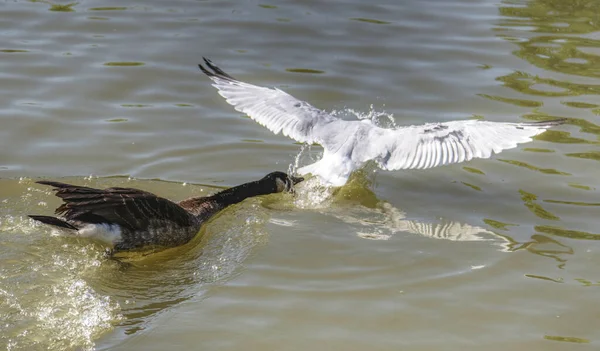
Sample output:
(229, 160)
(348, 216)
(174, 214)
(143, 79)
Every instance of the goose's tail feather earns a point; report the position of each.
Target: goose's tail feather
(54, 221)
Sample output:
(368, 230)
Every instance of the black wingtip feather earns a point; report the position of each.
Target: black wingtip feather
(550, 123)
(53, 221)
(205, 71)
(557, 121)
(58, 185)
(207, 61)
(63, 189)
(216, 71)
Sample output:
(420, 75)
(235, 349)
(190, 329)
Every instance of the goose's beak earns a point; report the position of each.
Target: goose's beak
(296, 180)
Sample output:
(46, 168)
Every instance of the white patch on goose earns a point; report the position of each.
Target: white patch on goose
(109, 233)
(280, 185)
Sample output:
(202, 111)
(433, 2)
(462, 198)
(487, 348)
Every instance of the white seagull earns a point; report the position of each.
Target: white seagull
(349, 145)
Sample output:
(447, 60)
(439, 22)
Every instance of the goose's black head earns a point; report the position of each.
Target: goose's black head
(280, 181)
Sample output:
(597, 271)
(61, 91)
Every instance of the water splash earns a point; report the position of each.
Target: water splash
(314, 194)
(301, 157)
(45, 301)
(380, 118)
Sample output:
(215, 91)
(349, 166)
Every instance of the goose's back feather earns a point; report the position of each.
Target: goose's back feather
(127, 207)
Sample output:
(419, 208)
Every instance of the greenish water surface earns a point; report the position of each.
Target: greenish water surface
(493, 254)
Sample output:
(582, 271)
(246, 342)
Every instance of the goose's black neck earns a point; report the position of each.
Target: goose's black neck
(205, 207)
(241, 192)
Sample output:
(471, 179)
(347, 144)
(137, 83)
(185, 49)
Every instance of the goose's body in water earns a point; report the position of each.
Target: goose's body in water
(349, 145)
(127, 218)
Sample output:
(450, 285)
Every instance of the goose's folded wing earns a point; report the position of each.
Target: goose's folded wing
(437, 144)
(272, 108)
(131, 208)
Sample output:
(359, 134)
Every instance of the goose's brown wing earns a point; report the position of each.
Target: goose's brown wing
(130, 208)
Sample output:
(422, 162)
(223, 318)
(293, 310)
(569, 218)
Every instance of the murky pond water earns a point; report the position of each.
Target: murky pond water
(496, 254)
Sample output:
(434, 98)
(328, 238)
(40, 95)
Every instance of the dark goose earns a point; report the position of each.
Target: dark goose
(129, 218)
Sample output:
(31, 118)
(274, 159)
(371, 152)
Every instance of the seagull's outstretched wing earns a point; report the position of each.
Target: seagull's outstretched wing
(272, 108)
(437, 144)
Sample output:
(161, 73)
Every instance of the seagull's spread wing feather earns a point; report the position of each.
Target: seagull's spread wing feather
(272, 108)
(436, 144)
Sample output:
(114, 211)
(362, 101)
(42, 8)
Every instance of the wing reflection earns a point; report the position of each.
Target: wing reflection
(385, 220)
(357, 204)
